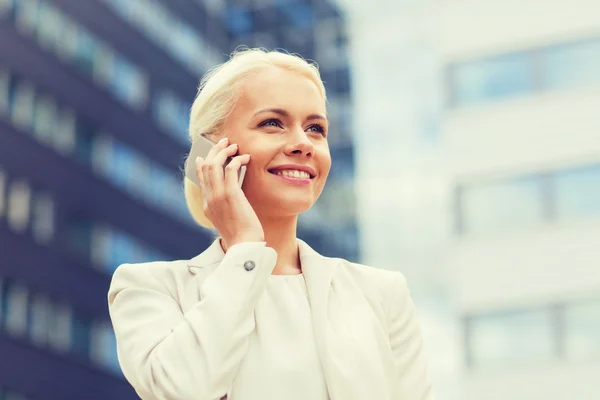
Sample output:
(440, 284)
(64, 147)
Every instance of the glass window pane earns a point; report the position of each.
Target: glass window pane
(102, 154)
(65, 137)
(4, 92)
(578, 192)
(26, 14)
(19, 199)
(3, 186)
(16, 309)
(80, 237)
(100, 245)
(583, 330)
(40, 314)
(50, 26)
(6, 5)
(238, 20)
(81, 335)
(22, 106)
(512, 338)
(43, 218)
(85, 51)
(572, 65)
(501, 206)
(3, 301)
(104, 347)
(123, 159)
(482, 80)
(59, 336)
(44, 123)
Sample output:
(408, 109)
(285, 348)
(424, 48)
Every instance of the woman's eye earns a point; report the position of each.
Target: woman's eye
(271, 122)
(317, 128)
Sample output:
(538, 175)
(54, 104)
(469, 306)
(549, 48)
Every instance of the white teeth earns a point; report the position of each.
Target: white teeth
(294, 174)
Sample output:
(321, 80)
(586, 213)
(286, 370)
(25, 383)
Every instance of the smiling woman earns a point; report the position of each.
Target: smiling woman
(260, 314)
(254, 93)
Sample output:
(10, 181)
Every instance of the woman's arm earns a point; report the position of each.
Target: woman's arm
(406, 341)
(166, 354)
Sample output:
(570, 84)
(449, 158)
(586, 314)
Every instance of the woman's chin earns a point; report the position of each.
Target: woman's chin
(283, 207)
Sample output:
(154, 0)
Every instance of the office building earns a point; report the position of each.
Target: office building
(522, 137)
(94, 100)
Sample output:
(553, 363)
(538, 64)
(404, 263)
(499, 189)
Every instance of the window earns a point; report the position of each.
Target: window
(22, 106)
(112, 247)
(3, 301)
(40, 315)
(43, 218)
(502, 205)
(239, 20)
(339, 199)
(26, 14)
(583, 330)
(19, 198)
(80, 237)
(65, 135)
(81, 327)
(16, 309)
(84, 50)
(578, 192)
(128, 83)
(6, 5)
(482, 80)
(572, 65)
(511, 338)
(7, 394)
(342, 163)
(104, 347)
(59, 337)
(300, 14)
(328, 53)
(3, 185)
(49, 27)
(4, 91)
(75, 44)
(180, 40)
(172, 114)
(44, 123)
(340, 121)
(83, 134)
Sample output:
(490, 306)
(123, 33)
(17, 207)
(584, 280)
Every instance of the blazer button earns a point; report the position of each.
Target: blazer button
(249, 265)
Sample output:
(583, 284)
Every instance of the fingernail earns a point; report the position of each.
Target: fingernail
(223, 140)
(197, 160)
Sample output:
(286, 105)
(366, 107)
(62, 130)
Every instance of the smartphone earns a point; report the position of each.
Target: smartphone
(200, 148)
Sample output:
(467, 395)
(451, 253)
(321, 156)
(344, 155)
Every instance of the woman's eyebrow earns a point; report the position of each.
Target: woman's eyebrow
(284, 113)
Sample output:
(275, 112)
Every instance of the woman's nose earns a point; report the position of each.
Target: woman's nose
(300, 144)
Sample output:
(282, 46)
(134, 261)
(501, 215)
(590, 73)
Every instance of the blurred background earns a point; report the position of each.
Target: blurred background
(465, 137)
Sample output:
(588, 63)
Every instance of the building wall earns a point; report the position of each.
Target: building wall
(522, 141)
(94, 100)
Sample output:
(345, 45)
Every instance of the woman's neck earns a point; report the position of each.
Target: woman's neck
(280, 234)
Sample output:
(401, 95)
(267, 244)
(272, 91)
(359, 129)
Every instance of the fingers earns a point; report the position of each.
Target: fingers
(213, 170)
(232, 169)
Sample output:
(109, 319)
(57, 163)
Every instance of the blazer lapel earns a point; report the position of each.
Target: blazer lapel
(353, 346)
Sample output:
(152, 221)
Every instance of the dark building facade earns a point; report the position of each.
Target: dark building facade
(94, 101)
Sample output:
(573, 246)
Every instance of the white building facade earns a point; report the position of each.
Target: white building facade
(521, 138)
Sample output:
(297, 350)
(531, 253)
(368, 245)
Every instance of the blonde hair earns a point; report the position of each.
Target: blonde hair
(219, 90)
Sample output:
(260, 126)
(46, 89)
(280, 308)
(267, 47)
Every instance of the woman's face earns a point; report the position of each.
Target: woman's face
(280, 120)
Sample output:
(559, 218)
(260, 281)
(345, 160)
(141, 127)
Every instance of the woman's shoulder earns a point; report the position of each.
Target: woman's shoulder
(160, 275)
(372, 274)
(377, 284)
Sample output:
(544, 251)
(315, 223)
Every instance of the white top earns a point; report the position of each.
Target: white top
(283, 321)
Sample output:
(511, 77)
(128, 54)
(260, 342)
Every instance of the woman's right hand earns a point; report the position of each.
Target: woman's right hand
(225, 204)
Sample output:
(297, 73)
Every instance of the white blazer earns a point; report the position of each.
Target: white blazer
(182, 327)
